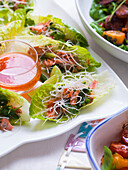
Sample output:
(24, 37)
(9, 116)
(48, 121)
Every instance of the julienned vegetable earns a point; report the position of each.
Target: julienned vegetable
(14, 109)
(111, 21)
(116, 156)
(65, 56)
(55, 28)
(62, 101)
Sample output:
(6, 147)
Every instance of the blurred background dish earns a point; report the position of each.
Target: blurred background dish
(83, 8)
(103, 134)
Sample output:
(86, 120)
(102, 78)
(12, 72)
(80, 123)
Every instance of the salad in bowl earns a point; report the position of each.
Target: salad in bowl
(106, 22)
(111, 21)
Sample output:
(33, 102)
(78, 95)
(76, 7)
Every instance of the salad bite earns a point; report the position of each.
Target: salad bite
(63, 100)
(65, 56)
(56, 29)
(14, 109)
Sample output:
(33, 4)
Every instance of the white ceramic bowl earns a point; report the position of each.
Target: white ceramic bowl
(102, 135)
(83, 7)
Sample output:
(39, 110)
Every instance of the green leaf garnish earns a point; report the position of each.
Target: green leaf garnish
(108, 159)
(99, 29)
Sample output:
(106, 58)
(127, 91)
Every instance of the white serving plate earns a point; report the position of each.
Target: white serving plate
(83, 7)
(103, 134)
(34, 131)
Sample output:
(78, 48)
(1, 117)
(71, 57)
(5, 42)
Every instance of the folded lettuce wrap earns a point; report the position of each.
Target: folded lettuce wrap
(13, 108)
(55, 28)
(66, 57)
(63, 101)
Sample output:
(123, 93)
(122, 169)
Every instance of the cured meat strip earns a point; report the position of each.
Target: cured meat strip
(122, 12)
(105, 2)
(115, 23)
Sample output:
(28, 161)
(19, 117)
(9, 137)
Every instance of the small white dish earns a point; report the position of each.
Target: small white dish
(102, 135)
(83, 7)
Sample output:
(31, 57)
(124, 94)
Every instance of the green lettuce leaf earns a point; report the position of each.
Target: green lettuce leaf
(19, 14)
(106, 83)
(15, 100)
(14, 27)
(38, 104)
(82, 54)
(61, 31)
(10, 30)
(3, 11)
(37, 108)
(8, 16)
(55, 77)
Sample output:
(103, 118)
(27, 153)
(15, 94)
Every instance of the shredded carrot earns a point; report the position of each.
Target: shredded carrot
(60, 53)
(40, 27)
(70, 94)
(74, 98)
(93, 84)
(48, 62)
(49, 112)
(58, 61)
(50, 102)
(45, 28)
(65, 91)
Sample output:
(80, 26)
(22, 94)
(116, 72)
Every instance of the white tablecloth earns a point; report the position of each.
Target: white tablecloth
(44, 155)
